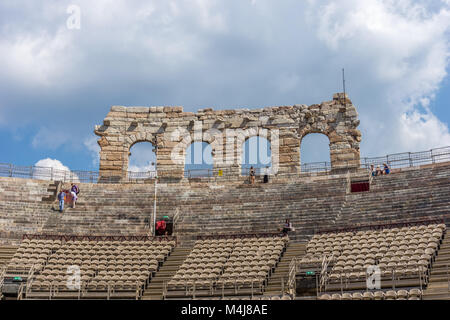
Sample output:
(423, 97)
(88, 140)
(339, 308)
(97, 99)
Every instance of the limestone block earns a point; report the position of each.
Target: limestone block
(138, 110)
(114, 156)
(103, 142)
(337, 119)
(119, 108)
(346, 156)
(116, 114)
(290, 142)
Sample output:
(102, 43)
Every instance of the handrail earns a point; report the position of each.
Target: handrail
(68, 237)
(324, 272)
(292, 276)
(448, 280)
(393, 279)
(20, 292)
(30, 279)
(2, 274)
(239, 236)
(214, 288)
(395, 161)
(138, 290)
(431, 220)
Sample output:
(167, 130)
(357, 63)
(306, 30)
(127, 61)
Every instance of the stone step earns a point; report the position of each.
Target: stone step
(155, 289)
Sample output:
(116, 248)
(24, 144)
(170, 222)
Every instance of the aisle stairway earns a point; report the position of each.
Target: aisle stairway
(225, 207)
(155, 290)
(6, 254)
(438, 287)
(281, 272)
(23, 208)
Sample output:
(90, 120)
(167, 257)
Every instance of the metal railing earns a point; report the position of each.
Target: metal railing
(291, 284)
(199, 173)
(215, 288)
(70, 237)
(259, 171)
(2, 278)
(395, 161)
(111, 290)
(388, 225)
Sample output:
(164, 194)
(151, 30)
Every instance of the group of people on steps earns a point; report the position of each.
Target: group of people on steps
(70, 195)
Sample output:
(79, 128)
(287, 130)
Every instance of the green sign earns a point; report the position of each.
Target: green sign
(17, 278)
(310, 273)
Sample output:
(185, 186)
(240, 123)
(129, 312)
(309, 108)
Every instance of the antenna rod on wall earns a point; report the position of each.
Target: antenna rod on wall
(343, 80)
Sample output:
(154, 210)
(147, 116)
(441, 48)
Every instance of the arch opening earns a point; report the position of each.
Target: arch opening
(198, 160)
(256, 153)
(315, 153)
(142, 161)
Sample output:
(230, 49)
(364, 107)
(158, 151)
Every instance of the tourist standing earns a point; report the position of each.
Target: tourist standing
(252, 175)
(386, 170)
(287, 227)
(61, 197)
(74, 198)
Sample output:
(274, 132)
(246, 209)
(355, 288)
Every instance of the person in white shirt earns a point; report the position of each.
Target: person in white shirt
(74, 198)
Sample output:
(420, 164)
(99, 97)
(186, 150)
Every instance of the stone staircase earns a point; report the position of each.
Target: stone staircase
(439, 287)
(6, 254)
(22, 209)
(402, 196)
(225, 207)
(155, 289)
(263, 208)
(281, 272)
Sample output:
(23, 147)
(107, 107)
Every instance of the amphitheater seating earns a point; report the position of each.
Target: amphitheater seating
(400, 253)
(263, 297)
(23, 208)
(406, 195)
(229, 264)
(311, 203)
(105, 266)
(412, 294)
(6, 254)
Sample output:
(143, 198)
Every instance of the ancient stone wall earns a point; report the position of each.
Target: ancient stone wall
(173, 130)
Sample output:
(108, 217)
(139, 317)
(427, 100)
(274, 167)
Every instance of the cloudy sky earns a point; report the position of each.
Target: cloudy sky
(57, 82)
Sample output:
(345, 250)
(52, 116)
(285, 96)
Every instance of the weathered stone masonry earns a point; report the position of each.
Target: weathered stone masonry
(174, 130)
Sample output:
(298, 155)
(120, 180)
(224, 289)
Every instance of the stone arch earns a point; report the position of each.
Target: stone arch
(146, 163)
(242, 136)
(199, 162)
(255, 152)
(123, 126)
(319, 163)
(133, 139)
(184, 139)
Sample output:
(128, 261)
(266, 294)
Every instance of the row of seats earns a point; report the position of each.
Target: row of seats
(229, 262)
(413, 294)
(275, 297)
(118, 264)
(404, 251)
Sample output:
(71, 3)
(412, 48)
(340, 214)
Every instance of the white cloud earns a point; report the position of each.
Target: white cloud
(50, 138)
(94, 149)
(142, 158)
(52, 169)
(226, 54)
(422, 132)
(403, 49)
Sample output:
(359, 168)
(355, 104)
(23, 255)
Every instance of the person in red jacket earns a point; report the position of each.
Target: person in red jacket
(161, 227)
